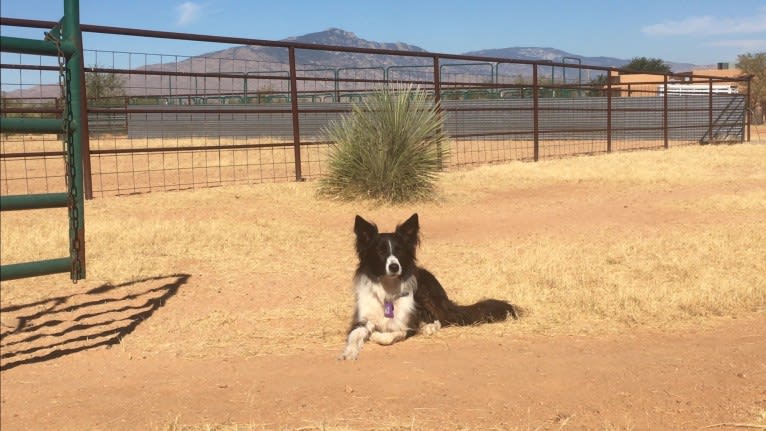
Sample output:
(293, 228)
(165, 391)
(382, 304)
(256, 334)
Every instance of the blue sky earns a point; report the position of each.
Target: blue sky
(700, 32)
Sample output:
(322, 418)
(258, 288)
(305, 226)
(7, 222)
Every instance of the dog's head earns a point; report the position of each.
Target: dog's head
(387, 254)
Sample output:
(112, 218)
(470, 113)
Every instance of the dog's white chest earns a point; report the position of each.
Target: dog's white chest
(387, 312)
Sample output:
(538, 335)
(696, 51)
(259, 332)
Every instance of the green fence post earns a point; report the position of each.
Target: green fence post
(73, 126)
(73, 87)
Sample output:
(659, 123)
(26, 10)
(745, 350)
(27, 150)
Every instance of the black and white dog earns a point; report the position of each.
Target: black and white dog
(396, 299)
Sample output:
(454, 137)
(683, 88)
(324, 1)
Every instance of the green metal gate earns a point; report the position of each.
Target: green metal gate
(65, 42)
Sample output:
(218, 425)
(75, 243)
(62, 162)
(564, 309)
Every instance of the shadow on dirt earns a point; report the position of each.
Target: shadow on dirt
(60, 326)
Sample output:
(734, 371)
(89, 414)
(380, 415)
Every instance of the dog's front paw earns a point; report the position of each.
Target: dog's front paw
(350, 353)
(383, 338)
(387, 338)
(431, 328)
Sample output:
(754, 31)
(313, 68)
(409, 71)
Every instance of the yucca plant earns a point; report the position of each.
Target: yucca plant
(390, 148)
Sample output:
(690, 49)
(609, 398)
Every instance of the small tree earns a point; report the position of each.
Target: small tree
(755, 64)
(598, 85)
(643, 64)
(104, 88)
(390, 148)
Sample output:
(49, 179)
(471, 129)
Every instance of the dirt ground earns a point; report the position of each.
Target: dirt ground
(643, 380)
(710, 374)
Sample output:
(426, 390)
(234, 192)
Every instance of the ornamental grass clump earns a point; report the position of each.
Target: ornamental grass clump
(390, 148)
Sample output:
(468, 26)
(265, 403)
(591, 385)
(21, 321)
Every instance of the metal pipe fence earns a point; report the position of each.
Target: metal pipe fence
(255, 112)
(62, 44)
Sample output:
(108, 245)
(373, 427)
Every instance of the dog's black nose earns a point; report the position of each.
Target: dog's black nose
(393, 267)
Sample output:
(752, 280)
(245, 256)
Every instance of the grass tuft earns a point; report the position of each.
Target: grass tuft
(390, 148)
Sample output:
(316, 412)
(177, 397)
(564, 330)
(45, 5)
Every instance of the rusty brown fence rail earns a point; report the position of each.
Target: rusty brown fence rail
(181, 122)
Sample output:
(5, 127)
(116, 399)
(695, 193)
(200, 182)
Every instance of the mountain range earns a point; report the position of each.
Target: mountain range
(257, 59)
(338, 37)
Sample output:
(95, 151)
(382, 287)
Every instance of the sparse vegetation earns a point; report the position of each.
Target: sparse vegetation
(614, 275)
(390, 148)
(755, 64)
(620, 244)
(104, 88)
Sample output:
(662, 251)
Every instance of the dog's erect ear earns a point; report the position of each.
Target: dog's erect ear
(364, 231)
(409, 230)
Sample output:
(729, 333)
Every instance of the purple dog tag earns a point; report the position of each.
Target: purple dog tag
(388, 309)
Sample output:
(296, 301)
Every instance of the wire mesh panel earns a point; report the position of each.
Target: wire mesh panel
(30, 164)
(192, 122)
(236, 115)
(486, 115)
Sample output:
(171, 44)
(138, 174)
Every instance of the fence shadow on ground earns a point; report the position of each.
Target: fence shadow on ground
(60, 326)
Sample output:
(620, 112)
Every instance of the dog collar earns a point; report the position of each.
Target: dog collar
(388, 309)
(388, 306)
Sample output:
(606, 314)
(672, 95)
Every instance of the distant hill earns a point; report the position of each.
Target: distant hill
(338, 37)
(332, 36)
(557, 55)
(256, 60)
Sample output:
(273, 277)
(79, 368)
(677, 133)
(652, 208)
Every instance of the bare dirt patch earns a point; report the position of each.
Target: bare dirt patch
(640, 380)
(226, 308)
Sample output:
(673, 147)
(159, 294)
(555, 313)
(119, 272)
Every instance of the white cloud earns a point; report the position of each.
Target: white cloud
(709, 25)
(749, 45)
(188, 12)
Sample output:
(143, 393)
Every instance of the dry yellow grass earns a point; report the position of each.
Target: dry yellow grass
(658, 240)
(270, 264)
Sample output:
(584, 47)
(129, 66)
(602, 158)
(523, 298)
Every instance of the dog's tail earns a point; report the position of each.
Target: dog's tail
(486, 311)
(434, 301)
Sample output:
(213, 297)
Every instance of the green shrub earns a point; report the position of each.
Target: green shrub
(390, 148)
